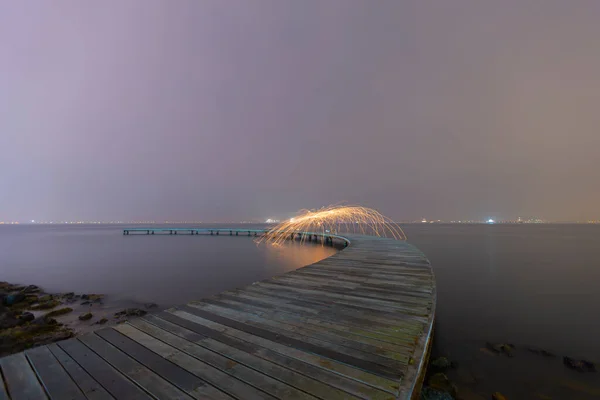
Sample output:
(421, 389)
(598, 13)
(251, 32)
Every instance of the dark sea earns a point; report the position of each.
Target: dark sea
(533, 286)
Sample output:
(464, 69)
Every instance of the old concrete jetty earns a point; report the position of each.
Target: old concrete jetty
(356, 325)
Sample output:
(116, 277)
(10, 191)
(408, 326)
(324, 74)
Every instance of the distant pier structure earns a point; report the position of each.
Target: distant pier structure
(356, 325)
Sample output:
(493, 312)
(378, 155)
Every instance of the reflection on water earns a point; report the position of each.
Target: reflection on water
(296, 254)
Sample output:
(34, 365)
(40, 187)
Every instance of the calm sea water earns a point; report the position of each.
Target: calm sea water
(163, 269)
(529, 285)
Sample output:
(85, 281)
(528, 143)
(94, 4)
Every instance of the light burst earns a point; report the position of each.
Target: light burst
(335, 220)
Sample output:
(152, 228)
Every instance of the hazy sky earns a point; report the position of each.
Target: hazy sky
(229, 110)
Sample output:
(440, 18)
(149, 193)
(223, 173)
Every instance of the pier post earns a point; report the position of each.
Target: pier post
(230, 233)
(236, 233)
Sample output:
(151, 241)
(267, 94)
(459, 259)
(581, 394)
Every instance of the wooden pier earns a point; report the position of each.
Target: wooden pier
(356, 325)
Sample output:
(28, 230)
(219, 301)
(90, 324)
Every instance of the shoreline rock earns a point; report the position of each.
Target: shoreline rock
(28, 316)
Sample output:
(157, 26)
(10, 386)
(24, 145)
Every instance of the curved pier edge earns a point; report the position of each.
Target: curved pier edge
(355, 325)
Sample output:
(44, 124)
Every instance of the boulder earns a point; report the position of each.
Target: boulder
(150, 305)
(12, 299)
(431, 394)
(540, 352)
(27, 316)
(46, 305)
(590, 366)
(579, 365)
(102, 321)
(501, 348)
(86, 316)
(30, 289)
(440, 382)
(60, 311)
(131, 312)
(441, 363)
(9, 320)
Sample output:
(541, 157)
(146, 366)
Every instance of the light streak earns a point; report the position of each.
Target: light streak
(334, 220)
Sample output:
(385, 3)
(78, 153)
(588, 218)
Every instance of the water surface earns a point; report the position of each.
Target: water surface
(163, 269)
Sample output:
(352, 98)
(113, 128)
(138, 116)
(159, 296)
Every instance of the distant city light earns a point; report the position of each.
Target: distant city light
(491, 221)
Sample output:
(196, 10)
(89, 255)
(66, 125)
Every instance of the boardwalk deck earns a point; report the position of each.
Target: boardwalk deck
(356, 325)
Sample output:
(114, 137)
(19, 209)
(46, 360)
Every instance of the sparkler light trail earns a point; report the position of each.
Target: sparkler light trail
(335, 220)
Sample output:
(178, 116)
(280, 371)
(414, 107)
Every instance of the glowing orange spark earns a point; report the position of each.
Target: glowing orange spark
(335, 220)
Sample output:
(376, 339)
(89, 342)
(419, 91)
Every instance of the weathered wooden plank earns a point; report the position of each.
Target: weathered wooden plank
(149, 381)
(324, 299)
(300, 342)
(351, 380)
(312, 322)
(328, 341)
(321, 330)
(204, 370)
(355, 290)
(330, 291)
(182, 379)
(21, 380)
(90, 388)
(248, 356)
(54, 378)
(325, 308)
(348, 281)
(344, 299)
(112, 380)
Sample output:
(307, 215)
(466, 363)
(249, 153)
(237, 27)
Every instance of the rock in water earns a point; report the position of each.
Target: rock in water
(441, 383)
(441, 363)
(47, 305)
(86, 316)
(498, 396)
(590, 366)
(27, 316)
(150, 305)
(30, 289)
(60, 311)
(501, 348)
(431, 394)
(131, 312)
(102, 321)
(579, 365)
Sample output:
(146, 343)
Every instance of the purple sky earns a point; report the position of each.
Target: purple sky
(230, 110)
